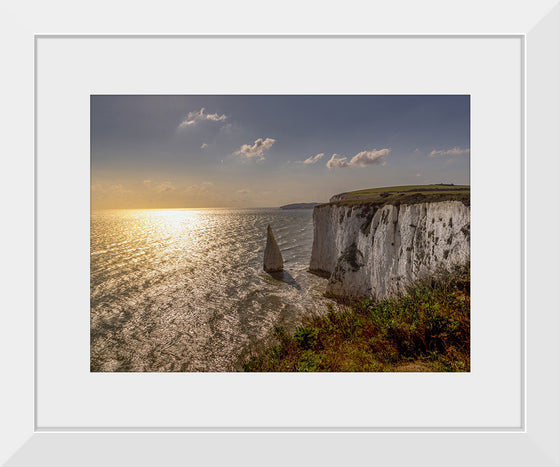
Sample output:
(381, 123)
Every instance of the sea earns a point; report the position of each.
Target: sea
(184, 290)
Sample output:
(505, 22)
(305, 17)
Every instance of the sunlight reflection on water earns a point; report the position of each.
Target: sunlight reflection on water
(184, 290)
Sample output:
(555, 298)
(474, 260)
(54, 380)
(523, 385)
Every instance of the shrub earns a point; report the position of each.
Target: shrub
(426, 329)
(306, 337)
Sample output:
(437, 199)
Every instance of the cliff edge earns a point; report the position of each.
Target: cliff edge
(373, 243)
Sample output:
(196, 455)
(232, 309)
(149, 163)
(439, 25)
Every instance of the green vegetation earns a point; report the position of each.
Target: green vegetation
(427, 329)
(411, 194)
(299, 206)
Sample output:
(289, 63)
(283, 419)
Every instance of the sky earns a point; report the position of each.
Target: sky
(197, 151)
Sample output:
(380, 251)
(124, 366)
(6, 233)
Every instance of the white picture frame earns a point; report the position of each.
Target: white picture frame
(535, 442)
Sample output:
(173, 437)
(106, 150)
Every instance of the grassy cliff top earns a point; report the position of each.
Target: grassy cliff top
(299, 206)
(410, 194)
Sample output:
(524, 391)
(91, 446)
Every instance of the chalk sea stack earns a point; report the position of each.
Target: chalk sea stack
(273, 261)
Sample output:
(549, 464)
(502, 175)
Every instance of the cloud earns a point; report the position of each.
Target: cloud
(202, 187)
(244, 191)
(204, 145)
(362, 159)
(194, 117)
(369, 158)
(311, 159)
(165, 187)
(147, 182)
(105, 188)
(257, 149)
(449, 152)
(337, 161)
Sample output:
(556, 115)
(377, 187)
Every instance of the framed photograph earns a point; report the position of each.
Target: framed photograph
(139, 355)
(207, 256)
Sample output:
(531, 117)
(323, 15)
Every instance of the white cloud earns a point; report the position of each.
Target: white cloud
(257, 149)
(449, 152)
(244, 191)
(147, 182)
(362, 159)
(369, 158)
(194, 117)
(204, 145)
(337, 161)
(311, 159)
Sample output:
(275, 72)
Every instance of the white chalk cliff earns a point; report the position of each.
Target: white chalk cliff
(374, 252)
(273, 261)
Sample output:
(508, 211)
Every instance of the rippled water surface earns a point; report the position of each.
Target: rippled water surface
(184, 290)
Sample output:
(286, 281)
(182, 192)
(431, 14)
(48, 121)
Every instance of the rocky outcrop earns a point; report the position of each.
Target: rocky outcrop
(372, 251)
(273, 261)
